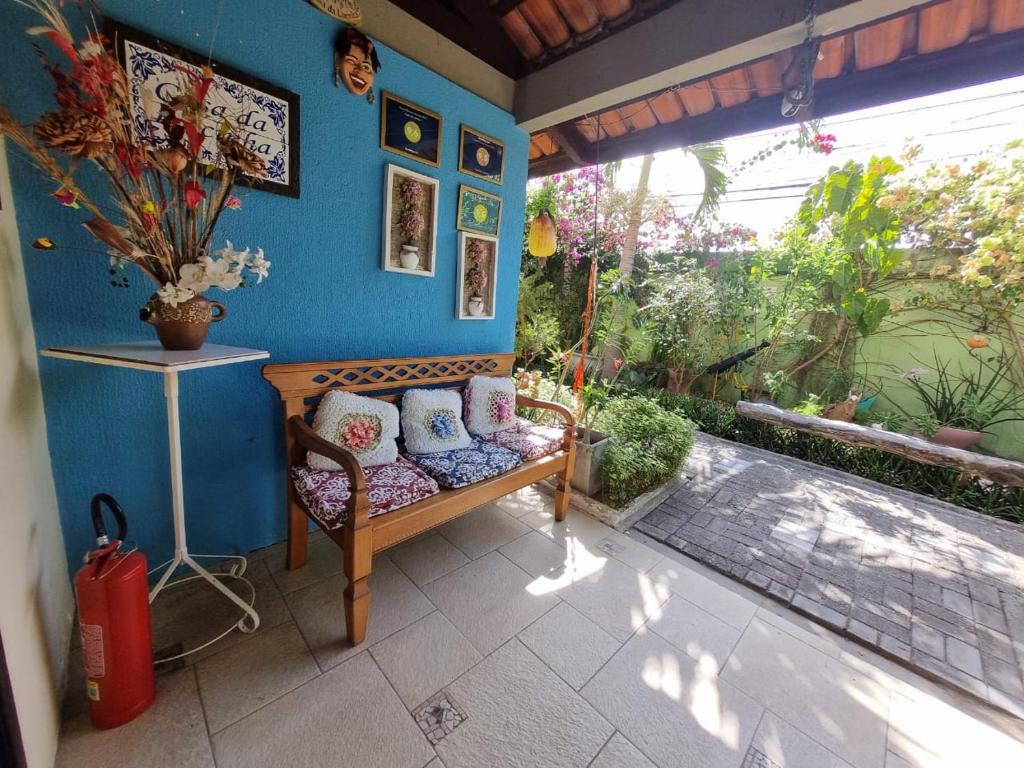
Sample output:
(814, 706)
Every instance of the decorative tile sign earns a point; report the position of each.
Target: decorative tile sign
(410, 130)
(481, 155)
(269, 114)
(478, 211)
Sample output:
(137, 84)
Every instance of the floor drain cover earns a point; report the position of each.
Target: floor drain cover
(438, 716)
(757, 759)
(610, 547)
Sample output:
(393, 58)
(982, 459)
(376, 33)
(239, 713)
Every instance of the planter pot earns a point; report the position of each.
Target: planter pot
(866, 404)
(476, 306)
(185, 326)
(957, 438)
(586, 477)
(410, 257)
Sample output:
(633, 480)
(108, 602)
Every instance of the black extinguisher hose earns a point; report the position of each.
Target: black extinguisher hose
(102, 539)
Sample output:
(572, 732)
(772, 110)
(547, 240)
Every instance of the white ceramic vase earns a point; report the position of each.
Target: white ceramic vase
(410, 257)
(476, 306)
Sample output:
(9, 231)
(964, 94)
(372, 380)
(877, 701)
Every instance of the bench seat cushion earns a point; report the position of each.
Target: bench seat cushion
(464, 466)
(388, 486)
(531, 441)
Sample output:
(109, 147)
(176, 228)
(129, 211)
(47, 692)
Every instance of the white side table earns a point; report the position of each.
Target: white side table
(150, 356)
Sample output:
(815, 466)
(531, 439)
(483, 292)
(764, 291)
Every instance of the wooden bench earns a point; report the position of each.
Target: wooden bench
(301, 385)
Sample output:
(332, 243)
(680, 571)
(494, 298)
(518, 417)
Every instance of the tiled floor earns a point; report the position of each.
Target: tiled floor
(940, 587)
(505, 639)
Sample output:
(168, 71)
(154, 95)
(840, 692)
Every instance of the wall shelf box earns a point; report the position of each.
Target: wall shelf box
(489, 266)
(394, 239)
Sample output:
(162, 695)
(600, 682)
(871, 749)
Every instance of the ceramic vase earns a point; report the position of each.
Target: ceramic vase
(410, 257)
(476, 306)
(182, 327)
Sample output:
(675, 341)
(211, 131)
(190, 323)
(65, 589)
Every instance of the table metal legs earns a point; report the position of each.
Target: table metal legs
(251, 620)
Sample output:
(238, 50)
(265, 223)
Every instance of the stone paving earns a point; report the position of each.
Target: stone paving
(937, 587)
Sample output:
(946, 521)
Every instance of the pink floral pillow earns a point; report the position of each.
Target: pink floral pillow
(364, 426)
(489, 405)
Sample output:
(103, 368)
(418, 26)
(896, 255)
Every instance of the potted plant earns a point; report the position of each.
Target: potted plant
(959, 408)
(412, 222)
(476, 276)
(169, 181)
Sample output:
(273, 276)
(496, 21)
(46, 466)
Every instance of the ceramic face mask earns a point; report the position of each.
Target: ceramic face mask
(355, 62)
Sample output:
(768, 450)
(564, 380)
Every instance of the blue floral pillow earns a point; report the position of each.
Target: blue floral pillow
(432, 421)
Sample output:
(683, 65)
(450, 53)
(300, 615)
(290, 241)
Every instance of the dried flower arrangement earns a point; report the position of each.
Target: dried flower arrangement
(412, 221)
(476, 275)
(168, 198)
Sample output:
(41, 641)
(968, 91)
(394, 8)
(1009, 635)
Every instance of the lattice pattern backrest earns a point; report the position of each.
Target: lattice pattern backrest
(381, 378)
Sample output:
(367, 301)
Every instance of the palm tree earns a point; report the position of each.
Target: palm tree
(711, 159)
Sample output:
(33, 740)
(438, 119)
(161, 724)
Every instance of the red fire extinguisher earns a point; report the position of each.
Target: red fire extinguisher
(113, 615)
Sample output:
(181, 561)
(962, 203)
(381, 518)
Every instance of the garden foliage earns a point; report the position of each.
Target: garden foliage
(649, 445)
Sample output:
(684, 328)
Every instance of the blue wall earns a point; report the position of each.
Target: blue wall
(326, 297)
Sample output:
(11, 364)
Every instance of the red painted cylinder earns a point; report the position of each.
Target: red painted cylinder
(113, 615)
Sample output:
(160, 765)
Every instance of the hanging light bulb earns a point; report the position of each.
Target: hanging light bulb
(542, 242)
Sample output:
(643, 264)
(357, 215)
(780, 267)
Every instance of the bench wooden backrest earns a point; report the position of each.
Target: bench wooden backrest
(301, 385)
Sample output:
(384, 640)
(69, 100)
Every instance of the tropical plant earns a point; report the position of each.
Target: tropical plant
(810, 406)
(974, 400)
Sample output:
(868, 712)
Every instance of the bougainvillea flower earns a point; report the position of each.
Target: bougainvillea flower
(234, 203)
(66, 197)
(194, 194)
(43, 244)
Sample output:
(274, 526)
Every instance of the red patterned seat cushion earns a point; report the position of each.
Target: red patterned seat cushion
(389, 487)
(529, 440)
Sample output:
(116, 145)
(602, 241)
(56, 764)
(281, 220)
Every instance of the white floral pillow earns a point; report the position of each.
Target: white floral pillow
(432, 421)
(365, 426)
(490, 405)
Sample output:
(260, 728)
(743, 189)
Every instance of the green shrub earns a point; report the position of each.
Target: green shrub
(648, 446)
(721, 420)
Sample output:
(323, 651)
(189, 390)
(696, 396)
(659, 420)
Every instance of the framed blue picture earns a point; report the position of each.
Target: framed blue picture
(481, 155)
(410, 130)
(270, 114)
(478, 211)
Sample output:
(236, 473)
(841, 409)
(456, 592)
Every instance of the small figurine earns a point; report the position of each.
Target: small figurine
(355, 62)
(843, 410)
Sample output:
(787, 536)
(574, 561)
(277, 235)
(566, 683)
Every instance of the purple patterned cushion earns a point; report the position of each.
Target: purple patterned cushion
(529, 440)
(389, 487)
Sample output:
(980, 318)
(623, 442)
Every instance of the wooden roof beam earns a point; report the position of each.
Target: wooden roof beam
(993, 58)
(683, 43)
(573, 143)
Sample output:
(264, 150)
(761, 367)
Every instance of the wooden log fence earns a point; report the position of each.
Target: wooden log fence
(1001, 471)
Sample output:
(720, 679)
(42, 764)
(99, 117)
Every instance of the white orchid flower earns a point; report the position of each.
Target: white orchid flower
(193, 277)
(174, 294)
(230, 280)
(259, 265)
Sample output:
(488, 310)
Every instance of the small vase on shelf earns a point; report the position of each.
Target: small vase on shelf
(182, 326)
(476, 306)
(410, 257)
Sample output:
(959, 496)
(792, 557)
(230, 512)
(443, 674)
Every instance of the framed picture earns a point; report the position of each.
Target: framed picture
(477, 276)
(410, 130)
(478, 211)
(270, 114)
(481, 155)
(410, 222)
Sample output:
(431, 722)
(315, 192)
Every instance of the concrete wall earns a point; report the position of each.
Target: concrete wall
(35, 601)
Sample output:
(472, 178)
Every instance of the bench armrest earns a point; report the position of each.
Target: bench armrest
(547, 405)
(311, 441)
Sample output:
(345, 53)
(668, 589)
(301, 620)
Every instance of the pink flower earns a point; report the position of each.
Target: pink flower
(359, 433)
(233, 203)
(66, 197)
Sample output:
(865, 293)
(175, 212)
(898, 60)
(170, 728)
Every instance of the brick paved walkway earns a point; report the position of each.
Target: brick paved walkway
(939, 587)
